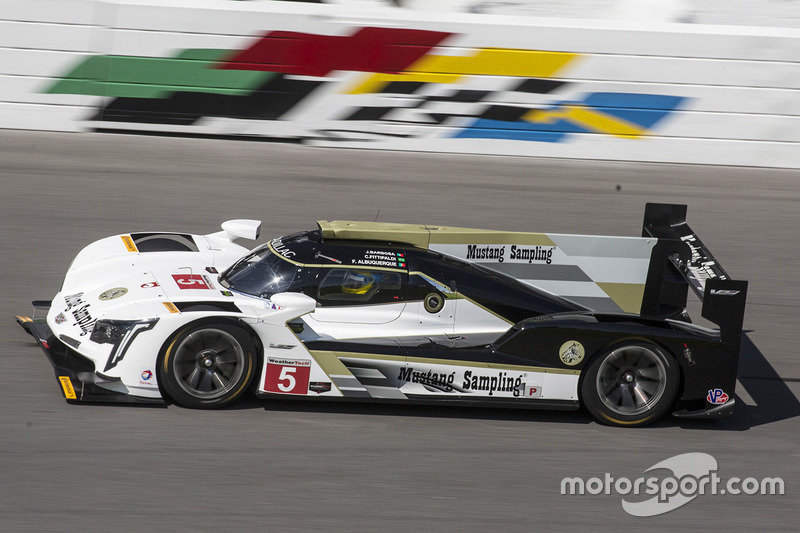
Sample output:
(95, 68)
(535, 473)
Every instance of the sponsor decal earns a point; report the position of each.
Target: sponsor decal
(226, 293)
(571, 353)
(381, 259)
(212, 270)
(471, 381)
(114, 293)
(536, 254)
(282, 346)
(278, 246)
(499, 382)
(146, 376)
(80, 312)
(191, 281)
(69, 390)
(533, 391)
(717, 397)
(319, 386)
(524, 254)
(700, 266)
(129, 245)
(316, 255)
(724, 292)
(287, 376)
(486, 252)
(60, 318)
(150, 285)
(442, 380)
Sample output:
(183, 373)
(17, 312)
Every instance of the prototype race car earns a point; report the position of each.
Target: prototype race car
(403, 313)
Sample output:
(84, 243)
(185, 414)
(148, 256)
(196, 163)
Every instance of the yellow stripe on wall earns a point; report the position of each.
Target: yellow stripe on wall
(496, 62)
(588, 118)
(485, 62)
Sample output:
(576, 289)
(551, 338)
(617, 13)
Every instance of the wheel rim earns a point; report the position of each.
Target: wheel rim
(631, 380)
(208, 363)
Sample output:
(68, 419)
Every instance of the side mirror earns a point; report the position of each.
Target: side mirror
(239, 228)
(297, 303)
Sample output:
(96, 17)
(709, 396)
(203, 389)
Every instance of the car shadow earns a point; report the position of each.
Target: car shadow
(773, 400)
(426, 411)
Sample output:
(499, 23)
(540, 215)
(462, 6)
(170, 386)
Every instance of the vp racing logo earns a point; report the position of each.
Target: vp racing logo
(692, 475)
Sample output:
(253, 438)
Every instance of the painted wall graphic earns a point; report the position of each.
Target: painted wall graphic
(396, 79)
(281, 69)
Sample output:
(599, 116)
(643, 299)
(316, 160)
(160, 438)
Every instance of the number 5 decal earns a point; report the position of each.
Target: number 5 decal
(190, 281)
(287, 376)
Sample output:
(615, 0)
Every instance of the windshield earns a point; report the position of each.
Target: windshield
(260, 273)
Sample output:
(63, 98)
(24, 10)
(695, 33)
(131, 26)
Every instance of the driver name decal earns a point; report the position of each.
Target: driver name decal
(381, 259)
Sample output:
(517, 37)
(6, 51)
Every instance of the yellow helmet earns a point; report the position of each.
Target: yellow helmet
(357, 282)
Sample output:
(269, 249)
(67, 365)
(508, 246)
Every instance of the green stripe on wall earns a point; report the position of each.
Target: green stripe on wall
(149, 77)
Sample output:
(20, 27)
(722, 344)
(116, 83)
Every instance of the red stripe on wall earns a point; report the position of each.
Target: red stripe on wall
(385, 50)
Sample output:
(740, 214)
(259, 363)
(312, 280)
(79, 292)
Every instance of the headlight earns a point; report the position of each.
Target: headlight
(113, 331)
(119, 333)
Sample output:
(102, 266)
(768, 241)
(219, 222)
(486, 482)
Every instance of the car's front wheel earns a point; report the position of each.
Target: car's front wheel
(207, 366)
(631, 384)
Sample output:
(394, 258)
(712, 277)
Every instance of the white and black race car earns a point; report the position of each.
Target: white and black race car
(403, 313)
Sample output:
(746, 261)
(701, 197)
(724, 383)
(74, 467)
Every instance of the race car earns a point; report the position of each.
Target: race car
(371, 311)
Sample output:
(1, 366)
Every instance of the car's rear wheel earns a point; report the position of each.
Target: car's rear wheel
(208, 365)
(631, 384)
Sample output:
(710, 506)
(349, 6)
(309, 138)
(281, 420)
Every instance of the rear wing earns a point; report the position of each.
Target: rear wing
(680, 260)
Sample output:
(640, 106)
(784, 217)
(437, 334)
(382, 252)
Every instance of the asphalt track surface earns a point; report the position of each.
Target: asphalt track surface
(278, 466)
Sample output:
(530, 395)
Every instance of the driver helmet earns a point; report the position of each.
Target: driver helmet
(357, 282)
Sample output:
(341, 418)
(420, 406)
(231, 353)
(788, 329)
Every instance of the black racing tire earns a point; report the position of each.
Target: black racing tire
(630, 384)
(208, 365)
